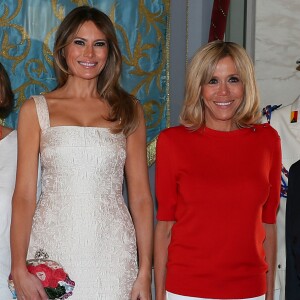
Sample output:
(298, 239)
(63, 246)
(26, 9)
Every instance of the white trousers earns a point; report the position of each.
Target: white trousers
(171, 296)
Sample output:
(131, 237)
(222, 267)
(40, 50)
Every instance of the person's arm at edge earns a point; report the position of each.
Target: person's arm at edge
(140, 205)
(162, 240)
(270, 244)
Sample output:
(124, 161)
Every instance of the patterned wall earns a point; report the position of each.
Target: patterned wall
(27, 29)
(277, 48)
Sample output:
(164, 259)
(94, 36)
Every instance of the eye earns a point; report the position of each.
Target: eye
(79, 42)
(100, 43)
(213, 81)
(234, 79)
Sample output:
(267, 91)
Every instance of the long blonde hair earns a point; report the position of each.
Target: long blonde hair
(200, 71)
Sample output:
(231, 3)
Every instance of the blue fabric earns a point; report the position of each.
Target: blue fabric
(27, 35)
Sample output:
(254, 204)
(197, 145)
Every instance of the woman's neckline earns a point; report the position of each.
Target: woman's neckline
(232, 133)
(83, 128)
(74, 126)
(79, 126)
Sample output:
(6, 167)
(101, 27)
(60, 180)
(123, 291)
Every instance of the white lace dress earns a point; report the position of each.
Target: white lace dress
(8, 164)
(81, 220)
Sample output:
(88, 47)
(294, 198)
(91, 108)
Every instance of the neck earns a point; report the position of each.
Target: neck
(223, 127)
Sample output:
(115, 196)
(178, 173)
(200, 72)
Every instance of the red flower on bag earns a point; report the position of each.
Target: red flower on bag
(42, 272)
(49, 275)
(57, 275)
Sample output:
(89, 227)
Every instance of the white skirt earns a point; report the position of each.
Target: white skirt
(171, 296)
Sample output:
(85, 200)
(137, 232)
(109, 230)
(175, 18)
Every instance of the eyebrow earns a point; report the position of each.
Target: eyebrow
(81, 38)
(234, 74)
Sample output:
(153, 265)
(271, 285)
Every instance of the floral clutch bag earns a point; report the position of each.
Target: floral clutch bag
(55, 280)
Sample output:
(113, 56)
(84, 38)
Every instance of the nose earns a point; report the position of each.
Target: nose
(223, 88)
(88, 51)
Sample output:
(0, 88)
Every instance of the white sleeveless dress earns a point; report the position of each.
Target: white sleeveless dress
(8, 165)
(81, 220)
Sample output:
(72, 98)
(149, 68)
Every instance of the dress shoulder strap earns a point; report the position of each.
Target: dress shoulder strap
(42, 111)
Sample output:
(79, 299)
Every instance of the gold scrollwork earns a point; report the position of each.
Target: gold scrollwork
(153, 112)
(59, 9)
(8, 47)
(48, 55)
(133, 57)
(153, 109)
(33, 66)
(80, 2)
(5, 18)
(151, 151)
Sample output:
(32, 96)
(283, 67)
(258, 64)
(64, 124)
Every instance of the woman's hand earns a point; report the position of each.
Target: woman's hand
(28, 286)
(141, 288)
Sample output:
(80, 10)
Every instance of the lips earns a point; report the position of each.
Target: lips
(223, 103)
(87, 64)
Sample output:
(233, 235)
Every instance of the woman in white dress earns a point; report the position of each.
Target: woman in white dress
(8, 163)
(87, 131)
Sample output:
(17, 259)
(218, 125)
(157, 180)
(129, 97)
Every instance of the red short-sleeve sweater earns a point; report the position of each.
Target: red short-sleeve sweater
(219, 187)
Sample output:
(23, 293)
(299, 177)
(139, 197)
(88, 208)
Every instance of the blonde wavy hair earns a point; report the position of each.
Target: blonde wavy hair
(200, 71)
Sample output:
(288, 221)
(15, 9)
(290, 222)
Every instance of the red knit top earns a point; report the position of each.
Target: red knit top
(219, 187)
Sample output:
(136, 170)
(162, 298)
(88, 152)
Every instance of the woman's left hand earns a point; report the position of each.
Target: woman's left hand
(141, 289)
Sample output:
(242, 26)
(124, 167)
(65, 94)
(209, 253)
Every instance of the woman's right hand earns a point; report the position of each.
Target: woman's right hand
(28, 286)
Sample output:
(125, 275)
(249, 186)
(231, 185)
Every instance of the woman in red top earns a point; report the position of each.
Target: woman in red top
(217, 186)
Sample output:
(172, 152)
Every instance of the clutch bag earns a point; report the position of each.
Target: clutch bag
(55, 280)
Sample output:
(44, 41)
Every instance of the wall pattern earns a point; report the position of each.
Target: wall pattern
(277, 48)
(26, 42)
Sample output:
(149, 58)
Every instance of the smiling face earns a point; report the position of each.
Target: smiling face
(222, 96)
(87, 53)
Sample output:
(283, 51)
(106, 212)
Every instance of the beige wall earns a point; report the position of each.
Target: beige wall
(277, 48)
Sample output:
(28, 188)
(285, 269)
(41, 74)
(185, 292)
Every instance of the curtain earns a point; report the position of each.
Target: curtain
(27, 30)
(218, 20)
